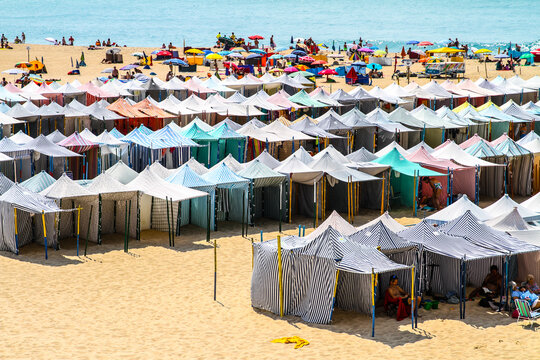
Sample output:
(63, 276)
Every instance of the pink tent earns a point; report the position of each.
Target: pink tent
(281, 98)
(94, 93)
(463, 176)
(471, 141)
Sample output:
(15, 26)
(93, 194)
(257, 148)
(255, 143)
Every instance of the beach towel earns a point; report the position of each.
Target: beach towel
(404, 310)
(293, 339)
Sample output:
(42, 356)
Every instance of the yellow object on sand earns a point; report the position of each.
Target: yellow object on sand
(293, 339)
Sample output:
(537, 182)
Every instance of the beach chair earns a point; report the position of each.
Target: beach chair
(525, 312)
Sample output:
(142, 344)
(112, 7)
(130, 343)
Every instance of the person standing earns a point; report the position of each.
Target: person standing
(23, 38)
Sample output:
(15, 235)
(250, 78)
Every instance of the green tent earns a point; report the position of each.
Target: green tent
(230, 142)
(303, 98)
(208, 152)
(403, 174)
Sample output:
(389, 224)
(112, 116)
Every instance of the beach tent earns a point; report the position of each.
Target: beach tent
(232, 194)
(405, 177)
(89, 167)
(267, 160)
(309, 128)
(207, 153)
(492, 181)
(231, 124)
(310, 269)
(336, 222)
(54, 155)
(268, 198)
(458, 208)
(70, 195)
(122, 173)
(38, 182)
(421, 144)
(505, 204)
(194, 211)
(18, 208)
(387, 220)
(196, 166)
(520, 165)
(161, 170)
(230, 142)
(444, 254)
(159, 196)
(389, 148)
(361, 155)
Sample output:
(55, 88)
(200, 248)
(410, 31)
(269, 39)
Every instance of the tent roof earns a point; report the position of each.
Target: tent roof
(267, 159)
(21, 138)
(303, 155)
(388, 148)
(309, 128)
(451, 151)
(231, 163)
(510, 221)
(223, 131)
(458, 208)
(23, 199)
(187, 177)
(387, 220)
(5, 183)
(64, 188)
(161, 170)
(327, 164)
(121, 172)
(151, 184)
(505, 204)
(38, 182)
(46, 147)
(261, 174)
(196, 166)
(56, 136)
(105, 183)
(379, 235)
(299, 171)
(421, 156)
(223, 176)
(284, 133)
(281, 98)
(231, 124)
(361, 155)
(400, 164)
(336, 222)
(303, 98)
(423, 145)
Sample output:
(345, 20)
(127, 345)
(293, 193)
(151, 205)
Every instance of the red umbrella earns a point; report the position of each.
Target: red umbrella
(536, 52)
(328, 72)
(319, 62)
(164, 53)
(290, 69)
(307, 59)
(255, 37)
(425, 43)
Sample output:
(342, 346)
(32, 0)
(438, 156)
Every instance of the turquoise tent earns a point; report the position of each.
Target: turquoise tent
(194, 211)
(208, 152)
(38, 182)
(230, 142)
(402, 179)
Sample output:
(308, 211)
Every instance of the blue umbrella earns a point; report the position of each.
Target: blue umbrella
(290, 56)
(281, 49)
(258, 51)
(276, 56)
(374, 48)
(412, 42)
(206, 52)
(501, 56)
(299, 52)
(253, 56)
(155, 52)
(175, 62)
(129, 67)
(224, 52)
(373, 66)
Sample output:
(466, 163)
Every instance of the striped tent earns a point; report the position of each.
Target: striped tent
(387, 220)
(310, 271)
(38, 182)
(5, 184)
(194, 211)
(27, 204)
(267, 160)
(121, 172)
(443, 254)
(86, 168)
(230, 142)
(208, 152)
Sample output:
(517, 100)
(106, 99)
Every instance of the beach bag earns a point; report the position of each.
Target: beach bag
(515, 313)
(403, 311)
(484, 302)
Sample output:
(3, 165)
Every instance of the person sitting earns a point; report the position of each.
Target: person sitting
(4, 82)
(171, 46)
(491, 286)
(530, 297)
(108, 42)
(532, 286)
(516, 293)
(114, 73)
(397, 296)
(64, 43)
(436, 188)
(170, 75)
(498, 65)
(98, 43)
(17, 40)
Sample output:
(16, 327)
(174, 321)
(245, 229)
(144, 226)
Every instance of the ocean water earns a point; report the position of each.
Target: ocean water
(486, 23)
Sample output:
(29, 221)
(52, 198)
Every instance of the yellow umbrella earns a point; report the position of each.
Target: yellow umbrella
(214, 56)
(379, 53)
(446, 50)
(194, 51)
(482, 51)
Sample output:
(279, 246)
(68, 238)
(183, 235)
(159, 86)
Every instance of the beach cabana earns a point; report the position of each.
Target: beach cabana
(520, 165)
(194, 211)
(55, 156)
(302, 282)
(207, 153)
(268, 198)
(89, 166)
(230, 142)
(505, 205)
(457, 209)
(19, 208)
(122, 173)
(38, 182)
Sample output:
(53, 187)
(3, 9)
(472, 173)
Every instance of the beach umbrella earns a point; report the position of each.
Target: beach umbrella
(322, 46)
(51, 40)
(374, 48)
(435, 60)
(319, 62)
(482, 51)
(258, 51)
(175, 62)
(236, 55)
(214, 56)
(425, 43)
(366, 50)
(526, 56)
(328, 72)
(536, 51)
(137, 54)
(224, 52)
(299, 52)
(253, 56)
(276, 70)
(15, 71)
(276, 56)
(419, 52)
(129, 67)
(194, 51)
(307, 59)
(302, 67)
(36, 78)
(255, 37)
(501, 56)
(290, 56)
(303, 73)
(374, 66)
(412, 42)
(379, 53)
(290, 69)
(23, 65)
(238, 49)
(154, 52)
(164, 53)
(107, 71)
(280, 49)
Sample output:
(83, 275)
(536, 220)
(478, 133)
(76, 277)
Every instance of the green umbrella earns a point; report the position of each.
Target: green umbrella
(304, 73)
(527, 56)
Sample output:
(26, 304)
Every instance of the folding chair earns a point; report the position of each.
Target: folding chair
(525, 313)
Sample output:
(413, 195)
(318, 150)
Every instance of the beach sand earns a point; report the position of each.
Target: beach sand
(157, 302)
(57, 59)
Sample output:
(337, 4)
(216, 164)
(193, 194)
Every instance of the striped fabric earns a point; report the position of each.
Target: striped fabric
(261, 175)
(77, 143)
(38, 182)
(309, 275)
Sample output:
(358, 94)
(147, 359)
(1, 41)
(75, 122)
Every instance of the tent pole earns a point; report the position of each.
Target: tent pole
(280, 204)
(280, 276)
(44, 232)
(125, 227)
(290, 198)
(464, 282)
(372, 303)
(215, 268)
(413, 297)
(415, 193)
(243, 210)
(78, 226)
(88, 230)
(99, 218)
(315, 204)
(168, 219)
(172, 222)
(16, 232)
(334, 298)
(128, 223)
(207, 217)
(382, 196)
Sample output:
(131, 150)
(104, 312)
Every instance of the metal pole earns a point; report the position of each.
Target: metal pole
(16, 232)
(280, 276)
(78, 226)
(44, 233)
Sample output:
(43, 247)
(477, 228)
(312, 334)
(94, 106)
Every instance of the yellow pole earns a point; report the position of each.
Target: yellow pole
(280, 276)
(382, 195)
(16, 230)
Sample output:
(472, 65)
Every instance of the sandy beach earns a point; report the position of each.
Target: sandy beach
(57, 59)
(156, 302)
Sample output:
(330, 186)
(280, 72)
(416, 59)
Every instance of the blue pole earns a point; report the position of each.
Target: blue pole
(299, 230)
(304, 230)
(451, 186)
(261, 236)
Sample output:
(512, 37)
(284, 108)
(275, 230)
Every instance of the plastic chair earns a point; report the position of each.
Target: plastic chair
(525, 312)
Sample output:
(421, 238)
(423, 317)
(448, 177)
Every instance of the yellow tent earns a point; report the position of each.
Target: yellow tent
(463, 106)
(486, 105)
(444, 50)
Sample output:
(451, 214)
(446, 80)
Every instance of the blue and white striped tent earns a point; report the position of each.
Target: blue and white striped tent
(195, 210)
(444, 253)
(521, 165)
(38, 182)
(5, 184)
(309, 275)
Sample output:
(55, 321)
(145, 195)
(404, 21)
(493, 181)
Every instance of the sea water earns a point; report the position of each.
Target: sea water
(480, 23)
